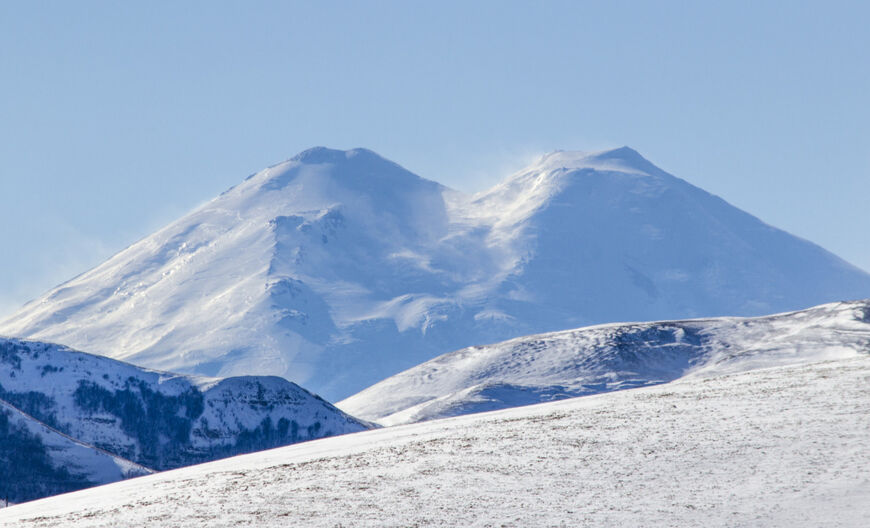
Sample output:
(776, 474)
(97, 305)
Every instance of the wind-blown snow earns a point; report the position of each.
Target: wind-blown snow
(778, 447)
(336, 269)
(605, 358)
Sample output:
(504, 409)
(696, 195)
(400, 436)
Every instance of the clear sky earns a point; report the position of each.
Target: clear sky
(115, 117)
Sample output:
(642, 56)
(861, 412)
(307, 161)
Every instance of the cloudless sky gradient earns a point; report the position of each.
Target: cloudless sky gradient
(118, 117)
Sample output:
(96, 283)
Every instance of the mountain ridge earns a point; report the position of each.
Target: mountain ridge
(337, 268)
(159, 420)
(611, 357)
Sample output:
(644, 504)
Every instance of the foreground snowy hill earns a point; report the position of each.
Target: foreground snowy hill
(605, 358)
(37, 461)
(337, 269)
(779, 447)
(158, 419)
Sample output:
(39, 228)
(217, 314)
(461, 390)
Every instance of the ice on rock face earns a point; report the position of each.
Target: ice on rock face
(336, 269)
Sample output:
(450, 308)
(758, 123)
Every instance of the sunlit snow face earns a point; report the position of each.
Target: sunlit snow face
(390, 270)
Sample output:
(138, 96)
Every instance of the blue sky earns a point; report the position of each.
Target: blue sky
(115, 118)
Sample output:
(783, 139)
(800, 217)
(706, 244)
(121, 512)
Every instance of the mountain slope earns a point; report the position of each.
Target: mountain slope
(609, 236)
(158, 419)
(775, 447)
(611, 357)
(283, 274)
(37, 461)
(336, 269)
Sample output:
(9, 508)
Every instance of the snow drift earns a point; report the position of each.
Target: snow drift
(611, 357)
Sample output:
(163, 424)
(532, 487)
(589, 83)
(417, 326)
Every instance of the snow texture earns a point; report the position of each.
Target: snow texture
(159, 419)
(776, 447)
(337, 269)
(610, 357)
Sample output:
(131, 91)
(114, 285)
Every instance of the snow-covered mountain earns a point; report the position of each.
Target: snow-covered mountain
(610, 357)
(776, 447)
(158, 419)
(610, 237)
(336, 269)
(37, 461)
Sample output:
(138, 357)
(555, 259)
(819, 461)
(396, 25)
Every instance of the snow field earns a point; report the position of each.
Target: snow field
(782, 446)
(604, 358)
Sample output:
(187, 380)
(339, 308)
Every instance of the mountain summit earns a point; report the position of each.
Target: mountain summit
(336, 268)
(623, 159)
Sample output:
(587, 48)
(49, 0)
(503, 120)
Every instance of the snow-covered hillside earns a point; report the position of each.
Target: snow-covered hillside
(778, 447)
(337, 269)
(605, 358)
(158, 419)
(38, 461)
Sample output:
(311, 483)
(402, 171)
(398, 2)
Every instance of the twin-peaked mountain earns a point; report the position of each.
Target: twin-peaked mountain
(336, 269)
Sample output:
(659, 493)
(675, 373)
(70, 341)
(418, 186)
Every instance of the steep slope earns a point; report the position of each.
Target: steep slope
(285, 274)
(609, 236)
(158, 419)
(37, 461)
(777, 447)
(337, 269)
(610, 357)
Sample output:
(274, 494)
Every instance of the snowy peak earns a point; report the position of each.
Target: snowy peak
(374, 193)
(359, 169)
(550, 180)
(358, 157)
(623, 159)
(284, 261)
(317, 155)
(336, 269)
(644, 240)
